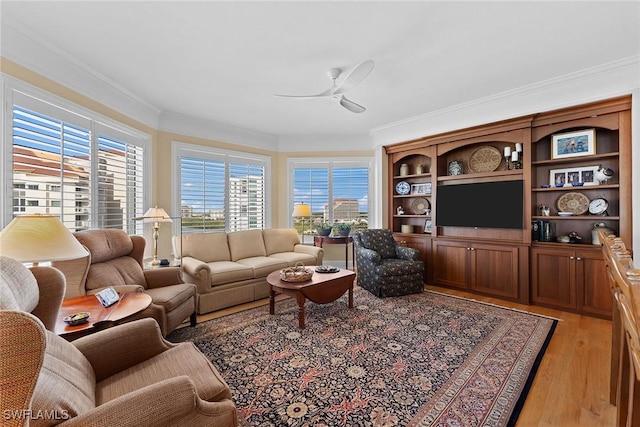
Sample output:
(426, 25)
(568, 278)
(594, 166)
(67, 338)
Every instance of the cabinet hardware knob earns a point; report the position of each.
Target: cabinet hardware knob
(578, 259)
(571, 257)
(473, 249)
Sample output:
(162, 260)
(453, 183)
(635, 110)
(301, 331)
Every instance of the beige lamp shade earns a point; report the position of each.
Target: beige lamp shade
(155, 214)
(301, 210)
(39, 238)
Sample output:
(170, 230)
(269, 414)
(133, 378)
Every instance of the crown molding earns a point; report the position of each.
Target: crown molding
(52, 62)
(604, 81)
(209, 129)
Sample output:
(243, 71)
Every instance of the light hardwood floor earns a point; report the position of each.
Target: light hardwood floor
(571, 387)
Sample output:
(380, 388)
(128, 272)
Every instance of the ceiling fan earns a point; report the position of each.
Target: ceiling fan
(337, 91)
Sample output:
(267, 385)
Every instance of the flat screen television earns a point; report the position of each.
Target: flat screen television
(483, 204)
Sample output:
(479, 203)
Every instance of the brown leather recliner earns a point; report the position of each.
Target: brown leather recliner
(127, 375)
(116, 259)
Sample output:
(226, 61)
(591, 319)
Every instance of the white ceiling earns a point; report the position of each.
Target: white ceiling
(223, 60)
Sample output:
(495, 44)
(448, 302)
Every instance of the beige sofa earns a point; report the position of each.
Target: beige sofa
(231, 268)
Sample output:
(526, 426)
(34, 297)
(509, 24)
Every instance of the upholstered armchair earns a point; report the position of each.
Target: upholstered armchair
(384, 268)
(127, 375)
(116, 259)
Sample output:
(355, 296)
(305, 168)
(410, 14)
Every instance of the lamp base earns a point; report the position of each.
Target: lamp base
(155, 262)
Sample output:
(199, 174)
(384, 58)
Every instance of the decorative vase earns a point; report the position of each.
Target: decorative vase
(323, 231)
(419, 169)
(404, 169)
(455, 167)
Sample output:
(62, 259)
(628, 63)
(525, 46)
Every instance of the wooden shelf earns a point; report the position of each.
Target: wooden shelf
(512, 174)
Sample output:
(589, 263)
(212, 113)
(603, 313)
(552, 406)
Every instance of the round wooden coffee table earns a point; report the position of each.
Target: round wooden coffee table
(101, 317)
(322, 288)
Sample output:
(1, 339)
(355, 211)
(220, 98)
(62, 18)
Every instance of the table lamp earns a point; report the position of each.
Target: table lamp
(38, 238)
(303, 211)
(155, 215)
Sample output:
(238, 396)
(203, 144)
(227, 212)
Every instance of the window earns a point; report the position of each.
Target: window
(336, 190)
(220, 190)
(86, 171)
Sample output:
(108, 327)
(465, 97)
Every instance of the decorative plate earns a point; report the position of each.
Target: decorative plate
(327, 269)
(420, 206)
(77, 318)
(485, 159)
(576, 203)
(403, 188)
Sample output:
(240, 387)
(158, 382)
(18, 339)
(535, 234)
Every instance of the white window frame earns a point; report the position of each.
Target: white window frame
(355, 162)
(183, 149)
(14, 88)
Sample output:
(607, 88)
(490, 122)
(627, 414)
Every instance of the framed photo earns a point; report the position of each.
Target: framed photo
(424, 188)
(573, 144)
(427, 226)
(576, 177)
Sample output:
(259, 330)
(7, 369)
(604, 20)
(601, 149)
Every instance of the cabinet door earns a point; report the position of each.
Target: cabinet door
(594, 293)
(553, 279)
(494, 270)
(451, 263)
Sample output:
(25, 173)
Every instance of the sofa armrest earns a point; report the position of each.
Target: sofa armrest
(115, 349)
(198, 273)
(163, 276)
(404, 252)
(369, 255)
(166, 402)
(310, 250)
(51, 283)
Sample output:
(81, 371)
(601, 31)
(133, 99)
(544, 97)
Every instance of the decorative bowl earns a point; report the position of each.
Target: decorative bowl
(298, 273)
(545, 185)
(77, 318)
(577, 184)
(559, 185)
(565, 213)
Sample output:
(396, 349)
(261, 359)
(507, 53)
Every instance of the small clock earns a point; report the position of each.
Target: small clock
(598, 206)
(403, 188)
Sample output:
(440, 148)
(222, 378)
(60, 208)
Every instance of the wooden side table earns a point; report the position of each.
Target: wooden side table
(337, 240)
(101, 317)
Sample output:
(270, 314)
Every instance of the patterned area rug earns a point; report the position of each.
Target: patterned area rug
(419, 360)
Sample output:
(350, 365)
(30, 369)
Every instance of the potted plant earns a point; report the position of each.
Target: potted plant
(343, 229)
(323, 229)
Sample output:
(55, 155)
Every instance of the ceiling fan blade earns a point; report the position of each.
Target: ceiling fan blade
(324, 94)
(355, 76)
(351, 106)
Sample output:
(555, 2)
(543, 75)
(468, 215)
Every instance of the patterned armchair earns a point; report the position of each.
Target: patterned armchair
(384, 268)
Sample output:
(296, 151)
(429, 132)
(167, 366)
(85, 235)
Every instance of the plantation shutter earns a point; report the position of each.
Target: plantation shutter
(246, 196)
(120, 178)
(51, 167)
(202, 194)
(86, 172)
(349, 185)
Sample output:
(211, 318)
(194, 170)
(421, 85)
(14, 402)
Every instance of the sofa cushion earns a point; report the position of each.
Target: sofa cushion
(120, 271)
(292, 258)
(172, 297)
(262, 266)
(105, 244)
(246, 244)
(280, 240)
(223, 272)
(209, 384)
(206, 247)
(66, 382)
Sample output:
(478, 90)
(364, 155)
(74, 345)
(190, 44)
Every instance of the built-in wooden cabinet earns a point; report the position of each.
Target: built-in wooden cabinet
(492, 269)
(514, 263)
(570, 278)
